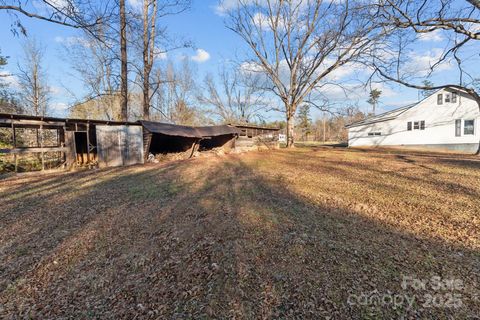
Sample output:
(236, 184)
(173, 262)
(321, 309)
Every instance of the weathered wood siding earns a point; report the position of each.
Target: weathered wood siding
(119, 145)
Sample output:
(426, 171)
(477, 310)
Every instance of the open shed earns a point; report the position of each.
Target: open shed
(163, 138)
(218, 136)
(38, 143)
(253, 137)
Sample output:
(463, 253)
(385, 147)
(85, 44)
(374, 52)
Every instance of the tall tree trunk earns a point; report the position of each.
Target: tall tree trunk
(123, 58)
(146, 98)
(146, 73)
(36, 100)
(290, 129)
(148, 52)
(476, 96)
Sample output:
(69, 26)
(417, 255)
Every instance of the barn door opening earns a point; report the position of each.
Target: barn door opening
(81, 147)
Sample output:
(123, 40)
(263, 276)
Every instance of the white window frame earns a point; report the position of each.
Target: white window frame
(454, 97)
(464, 127)
(458, 127)
(440, 99)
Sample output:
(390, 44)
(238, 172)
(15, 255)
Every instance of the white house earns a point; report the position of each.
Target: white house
(447, 120)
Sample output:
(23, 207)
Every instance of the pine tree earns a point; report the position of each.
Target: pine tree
(428, 84)
(8, 103)
(304, 120)
(374, 98)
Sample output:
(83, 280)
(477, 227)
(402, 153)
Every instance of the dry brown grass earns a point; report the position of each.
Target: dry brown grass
(283, 234)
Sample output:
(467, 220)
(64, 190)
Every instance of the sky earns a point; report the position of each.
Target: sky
(214, 44)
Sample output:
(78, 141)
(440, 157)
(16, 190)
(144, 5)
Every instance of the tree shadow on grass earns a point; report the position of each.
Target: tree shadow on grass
(214, 239)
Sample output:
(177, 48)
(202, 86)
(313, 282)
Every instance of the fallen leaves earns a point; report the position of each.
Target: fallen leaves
(281, 234)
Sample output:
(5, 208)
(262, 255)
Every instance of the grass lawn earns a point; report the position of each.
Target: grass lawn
(309, 233)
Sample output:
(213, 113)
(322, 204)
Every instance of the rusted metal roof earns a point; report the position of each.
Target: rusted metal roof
(187, 131)
(171, 129)
(66, 120)
(213, 131)
(251, 126)
(156, 127)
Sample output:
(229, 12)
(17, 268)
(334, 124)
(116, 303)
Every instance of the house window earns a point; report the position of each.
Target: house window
(440, 98)
(469, 127)
(447, 97)
(454, 97)
(374, 133)
(416, 125)
(458, 128)
(422, 125)
(409, 126)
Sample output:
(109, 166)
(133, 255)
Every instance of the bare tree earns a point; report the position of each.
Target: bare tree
(331, 127)
(298, 44)
(176, 99)
(409, 19)
(32, 77)
(459, 21)
(95, 62)
(123, 62)
(148, 52)
(8, 99)
(152, 41)
(79, 14)
(238, 98)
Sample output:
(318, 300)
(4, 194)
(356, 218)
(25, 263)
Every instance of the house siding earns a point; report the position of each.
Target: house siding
(439, 130)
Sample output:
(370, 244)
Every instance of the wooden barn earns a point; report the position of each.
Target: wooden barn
(39, 143)
(161, 138)
(253, 137)
(31, 143)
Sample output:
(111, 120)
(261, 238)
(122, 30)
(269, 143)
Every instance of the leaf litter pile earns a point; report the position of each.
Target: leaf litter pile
(303, 234)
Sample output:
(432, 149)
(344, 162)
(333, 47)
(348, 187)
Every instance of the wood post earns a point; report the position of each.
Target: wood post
(41, 146)
(14, 144)
(61, 143)
(88, 143)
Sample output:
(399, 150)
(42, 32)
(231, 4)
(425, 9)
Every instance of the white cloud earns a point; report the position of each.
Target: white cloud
(250, 67)
(474, 28)
(201, 56)
(57, 90)
(71, 41)
(387, 92)
(160, 54)
(434, 36)
(136, 5)
(46, 9)
(421, 62)
(58, 109)
(8, 78)
(354, 92)
(226, 5)
(261, 20)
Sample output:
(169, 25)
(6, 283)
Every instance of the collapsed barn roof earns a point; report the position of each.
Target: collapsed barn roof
(213, 131)
(171, 129)
(187, 131)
